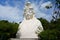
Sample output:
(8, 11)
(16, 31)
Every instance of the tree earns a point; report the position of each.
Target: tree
(7, 29)
(56, 13)
(52, 30)
(44, 23)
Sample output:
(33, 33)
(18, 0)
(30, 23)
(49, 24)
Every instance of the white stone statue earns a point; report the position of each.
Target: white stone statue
(29, 26)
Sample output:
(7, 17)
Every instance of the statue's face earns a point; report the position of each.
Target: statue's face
(28, 15)
(28, 11)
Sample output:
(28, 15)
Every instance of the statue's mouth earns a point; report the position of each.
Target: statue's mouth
(29, 17)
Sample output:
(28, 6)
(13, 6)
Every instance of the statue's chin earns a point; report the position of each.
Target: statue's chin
(28, 18)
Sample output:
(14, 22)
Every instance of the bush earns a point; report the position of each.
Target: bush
(51, 30)
(8, 29)
(49, 35)
(4, 36)
(45, 23)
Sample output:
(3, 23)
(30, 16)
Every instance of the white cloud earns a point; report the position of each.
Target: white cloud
(10, 13)
(46, 4)
(39, 13)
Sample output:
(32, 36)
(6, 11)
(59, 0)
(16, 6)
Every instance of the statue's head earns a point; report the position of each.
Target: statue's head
(28, 11)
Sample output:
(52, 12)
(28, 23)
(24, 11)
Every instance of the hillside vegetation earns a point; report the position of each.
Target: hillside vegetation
(8, 30)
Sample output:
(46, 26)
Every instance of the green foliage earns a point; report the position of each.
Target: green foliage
(49, 35)
(55, 24)
(52, 30)
(45, 23)
(7, 28)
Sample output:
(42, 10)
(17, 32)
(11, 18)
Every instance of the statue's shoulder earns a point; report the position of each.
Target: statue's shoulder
(38, 21)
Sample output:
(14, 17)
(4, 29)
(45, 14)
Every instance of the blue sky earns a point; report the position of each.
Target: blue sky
(12, 10)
